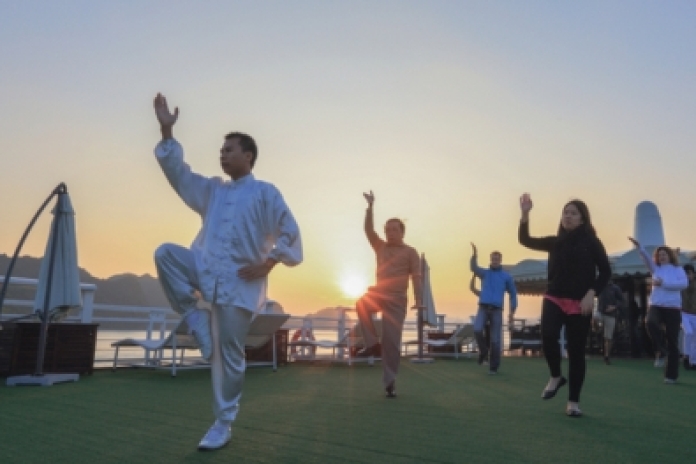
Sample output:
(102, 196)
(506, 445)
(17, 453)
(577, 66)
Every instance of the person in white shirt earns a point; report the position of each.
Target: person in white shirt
(246, 230)
(668, 280)
(689, 318)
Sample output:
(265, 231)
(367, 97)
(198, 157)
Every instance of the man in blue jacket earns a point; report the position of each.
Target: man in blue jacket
(494, 283)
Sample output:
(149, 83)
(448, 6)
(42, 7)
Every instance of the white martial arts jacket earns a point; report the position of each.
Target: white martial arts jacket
(244, 222)
(674, 280)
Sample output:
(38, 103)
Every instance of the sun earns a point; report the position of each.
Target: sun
(353, 285)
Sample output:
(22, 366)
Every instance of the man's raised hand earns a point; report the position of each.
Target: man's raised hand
(370, 197)
(164, 116)
(473, 249)
(526, 203)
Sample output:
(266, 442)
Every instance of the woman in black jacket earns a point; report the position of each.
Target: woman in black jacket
(578, 270)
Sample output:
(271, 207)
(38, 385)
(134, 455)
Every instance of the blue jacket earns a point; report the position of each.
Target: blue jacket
(494, 284)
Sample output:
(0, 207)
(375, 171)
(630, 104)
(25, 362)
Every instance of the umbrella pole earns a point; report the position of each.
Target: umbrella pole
(47, 298)
(420, 319)
(421, 309)
(420, 332)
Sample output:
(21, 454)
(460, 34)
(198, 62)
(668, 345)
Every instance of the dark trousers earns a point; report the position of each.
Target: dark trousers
(671, 318)
(577, 327)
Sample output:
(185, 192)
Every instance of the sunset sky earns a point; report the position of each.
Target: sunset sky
(447, 110)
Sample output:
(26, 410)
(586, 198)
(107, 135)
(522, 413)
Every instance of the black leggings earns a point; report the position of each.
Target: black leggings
(671, 318)
(577, 328)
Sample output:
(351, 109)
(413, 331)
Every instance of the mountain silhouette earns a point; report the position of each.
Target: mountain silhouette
(122, 289)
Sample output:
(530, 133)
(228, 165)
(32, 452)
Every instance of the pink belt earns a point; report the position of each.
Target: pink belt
(567, 305)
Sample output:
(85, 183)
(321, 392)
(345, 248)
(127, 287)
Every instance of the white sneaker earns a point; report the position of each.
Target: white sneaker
(659, 362)
(670, 381)
(200, 328)
(217, 437)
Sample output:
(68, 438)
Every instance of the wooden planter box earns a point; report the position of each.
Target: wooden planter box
(69, 348)
(265, 353)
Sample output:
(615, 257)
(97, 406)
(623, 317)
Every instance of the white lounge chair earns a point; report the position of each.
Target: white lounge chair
(177, 339)
(461, 337)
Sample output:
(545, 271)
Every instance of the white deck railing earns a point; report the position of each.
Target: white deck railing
(87, 291)
(132, 321)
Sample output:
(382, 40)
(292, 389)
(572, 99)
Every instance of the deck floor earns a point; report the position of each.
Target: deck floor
(446, 412)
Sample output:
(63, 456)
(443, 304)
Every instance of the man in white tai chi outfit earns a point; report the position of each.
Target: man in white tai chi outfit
(247, 229)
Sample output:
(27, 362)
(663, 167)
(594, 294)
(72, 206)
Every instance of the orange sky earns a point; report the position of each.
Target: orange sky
(448, 111)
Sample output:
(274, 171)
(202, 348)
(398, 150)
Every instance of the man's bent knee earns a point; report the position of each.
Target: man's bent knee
(162, 251)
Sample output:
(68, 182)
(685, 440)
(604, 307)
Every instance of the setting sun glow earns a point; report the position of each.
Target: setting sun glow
(353, 285)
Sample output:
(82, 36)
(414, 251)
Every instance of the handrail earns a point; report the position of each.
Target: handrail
(86, 290)
(137, 317)
(33, 282)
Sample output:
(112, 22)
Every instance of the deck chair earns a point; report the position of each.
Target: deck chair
(177, 339)
(263, 328)
(461, 337)
(356, 341)
(343, 348)
(525, 337)
(337, 347)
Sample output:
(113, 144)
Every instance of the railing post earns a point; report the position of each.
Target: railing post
(440, 322)
(341, 327)
(87, 303)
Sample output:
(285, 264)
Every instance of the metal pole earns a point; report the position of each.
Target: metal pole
(47, 297)
(420, 332)
(419, 320)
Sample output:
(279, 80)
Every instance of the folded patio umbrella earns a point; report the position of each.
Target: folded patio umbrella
(58, 290)
(429, 314)
(426, 313)
(59, 285)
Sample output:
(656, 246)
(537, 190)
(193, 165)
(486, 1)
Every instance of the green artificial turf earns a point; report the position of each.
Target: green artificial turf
(446, 412)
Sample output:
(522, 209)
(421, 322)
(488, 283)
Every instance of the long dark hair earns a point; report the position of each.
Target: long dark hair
(673, 260)
(584, 214)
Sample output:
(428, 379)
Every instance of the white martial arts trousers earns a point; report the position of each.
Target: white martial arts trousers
(689, 328)
(176, 269)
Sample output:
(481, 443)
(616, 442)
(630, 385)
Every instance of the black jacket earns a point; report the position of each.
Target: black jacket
(577, 262)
